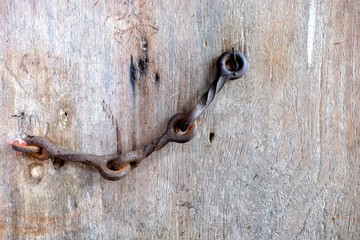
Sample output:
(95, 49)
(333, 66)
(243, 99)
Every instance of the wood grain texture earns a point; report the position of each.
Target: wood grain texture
(283, 160)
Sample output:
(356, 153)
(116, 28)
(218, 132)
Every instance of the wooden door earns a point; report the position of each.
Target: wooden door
(275, 156)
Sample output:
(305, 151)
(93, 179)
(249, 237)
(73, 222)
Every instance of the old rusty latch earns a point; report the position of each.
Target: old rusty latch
(181, 128)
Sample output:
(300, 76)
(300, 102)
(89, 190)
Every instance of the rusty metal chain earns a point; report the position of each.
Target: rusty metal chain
(181, 128)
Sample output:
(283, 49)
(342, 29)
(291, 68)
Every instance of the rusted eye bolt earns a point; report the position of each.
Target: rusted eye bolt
(107, 171)
(232, 64)
(175, 131)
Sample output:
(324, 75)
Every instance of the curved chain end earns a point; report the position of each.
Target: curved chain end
(113, 175)
(175, 130)
(24, 148)
(232, 64)
(32, 150)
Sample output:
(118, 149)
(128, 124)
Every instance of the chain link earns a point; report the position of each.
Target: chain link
(181, 128)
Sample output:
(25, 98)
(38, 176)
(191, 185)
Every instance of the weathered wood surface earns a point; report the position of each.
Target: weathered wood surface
(284, 160)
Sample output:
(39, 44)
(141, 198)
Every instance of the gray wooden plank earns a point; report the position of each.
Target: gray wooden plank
(283, 160)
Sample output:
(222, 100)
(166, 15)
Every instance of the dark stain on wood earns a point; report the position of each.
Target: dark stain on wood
(186, 204)
(132, 74)
(142, 67)
(143, 61)
(118, 137)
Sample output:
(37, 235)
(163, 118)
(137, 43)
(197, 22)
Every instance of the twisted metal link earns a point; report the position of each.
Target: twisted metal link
(226, 63)
(181, 128)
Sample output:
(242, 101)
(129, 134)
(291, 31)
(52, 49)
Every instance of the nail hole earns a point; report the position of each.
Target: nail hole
(205, 43)
(37, 171)
(211, 137)
(63, 118)
(155, 77)
(143, 44)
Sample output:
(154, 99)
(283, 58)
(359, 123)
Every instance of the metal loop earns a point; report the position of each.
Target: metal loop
(25, 149)
(113, 175)
(227, 67)
(42, 155)
(33, 150)
(175, 131)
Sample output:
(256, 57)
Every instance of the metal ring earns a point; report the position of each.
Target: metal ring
(174, 131)
(25, 149)
(224, 68)
(42, 155)
(113, 175)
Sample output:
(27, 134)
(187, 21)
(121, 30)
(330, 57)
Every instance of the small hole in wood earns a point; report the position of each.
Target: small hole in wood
(205, 43)
(37, 171)
(155, 77)
(211, 137)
